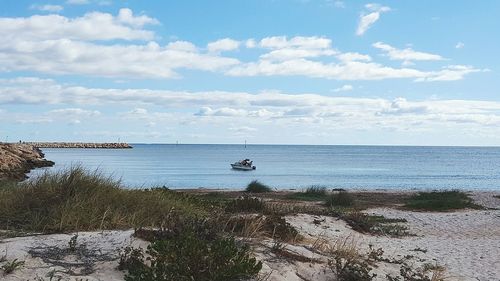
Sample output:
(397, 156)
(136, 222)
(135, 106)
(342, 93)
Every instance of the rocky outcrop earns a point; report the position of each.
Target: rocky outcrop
(16, 160)
(110, 145)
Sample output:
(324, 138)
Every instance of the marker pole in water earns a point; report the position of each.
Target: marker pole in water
(245, 143)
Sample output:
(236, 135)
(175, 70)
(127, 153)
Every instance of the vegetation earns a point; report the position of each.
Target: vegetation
(312, 193)
(427, 272)
(340, 199)
(257, 187)
(374, 224)
(347, 263)
(274, 227)
(9, 267)
(245, 204)
(440, 201)
(76, 199)
(189, 254)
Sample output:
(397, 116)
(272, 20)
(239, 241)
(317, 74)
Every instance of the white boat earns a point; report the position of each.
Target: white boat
(245, 165)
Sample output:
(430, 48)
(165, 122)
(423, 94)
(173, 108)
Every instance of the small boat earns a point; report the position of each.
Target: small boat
(244, 165)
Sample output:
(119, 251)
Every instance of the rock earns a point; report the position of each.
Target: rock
(16, 160)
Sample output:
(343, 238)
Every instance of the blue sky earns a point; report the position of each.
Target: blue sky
(293, 72)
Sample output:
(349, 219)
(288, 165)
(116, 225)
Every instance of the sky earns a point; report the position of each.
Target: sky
(264, 71)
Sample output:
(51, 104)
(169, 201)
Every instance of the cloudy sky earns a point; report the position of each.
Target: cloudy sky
(265, 71)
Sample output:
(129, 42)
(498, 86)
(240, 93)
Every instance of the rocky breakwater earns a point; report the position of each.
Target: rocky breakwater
(109, 145)
(16, 160)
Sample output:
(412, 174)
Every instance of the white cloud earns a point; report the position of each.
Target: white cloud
(222, 45)
(77, 2)
(250, 43)
(297, 47)
(350, 70)
(366, 20)
(126, 16)
(407, 55)
(91, 26)
(54, 44)
(351, 56)
(305, 56)
(243, 129)
(268, 112)
(47, 8)
(224, 111)
(58, 45)
(281, 42)
(459, 45)
(134, 61)
(451, 73)
(73, 112)
(344, 88)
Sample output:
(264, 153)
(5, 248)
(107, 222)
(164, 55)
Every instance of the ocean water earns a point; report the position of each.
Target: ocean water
(291, 166)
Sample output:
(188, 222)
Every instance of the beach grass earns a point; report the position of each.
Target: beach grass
(312, 193)
(340, 199)
(257, 187)
(79, 200)
(440, 201)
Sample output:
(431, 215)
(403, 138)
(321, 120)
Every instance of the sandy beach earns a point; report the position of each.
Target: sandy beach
(465, 243)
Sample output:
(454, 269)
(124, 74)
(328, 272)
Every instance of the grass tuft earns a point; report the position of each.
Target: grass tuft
(79, 200)
(312, 193)
(440, 201)
(340, 199)
(9, 267)
(257, 187)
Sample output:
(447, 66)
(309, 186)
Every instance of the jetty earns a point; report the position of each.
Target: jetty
(104, 145)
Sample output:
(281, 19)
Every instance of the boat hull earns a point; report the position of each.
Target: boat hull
(242, 168)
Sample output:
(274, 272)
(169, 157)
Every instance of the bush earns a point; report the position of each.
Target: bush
(440, 201)
(374, 224)
(341, 199)
(79, 200)
(257, 187)
(274, 227)
(347, 263)
(186, 257)
(313, 193)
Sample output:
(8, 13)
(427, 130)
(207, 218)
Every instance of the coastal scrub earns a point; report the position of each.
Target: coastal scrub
(440, 201)
(79, 200)
(257, 187)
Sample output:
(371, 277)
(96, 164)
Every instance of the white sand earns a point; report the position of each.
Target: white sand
(108, 242)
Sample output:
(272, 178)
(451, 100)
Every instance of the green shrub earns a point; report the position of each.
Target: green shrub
(440, 201)
(186, 257)
(341, 199)
(257, 187)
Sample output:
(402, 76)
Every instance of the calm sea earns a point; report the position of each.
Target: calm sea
(291, 166)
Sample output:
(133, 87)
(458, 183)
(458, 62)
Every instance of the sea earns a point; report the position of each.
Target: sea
(289, 166)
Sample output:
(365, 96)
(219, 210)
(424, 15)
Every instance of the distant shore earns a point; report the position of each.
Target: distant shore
(104, 145)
